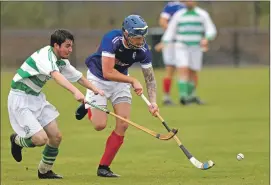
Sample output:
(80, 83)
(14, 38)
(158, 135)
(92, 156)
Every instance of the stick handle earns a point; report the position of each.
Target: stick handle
(149, 103)
(98, 107)
(145, 99)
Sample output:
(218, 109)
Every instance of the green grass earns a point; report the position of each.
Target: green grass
(235, 120)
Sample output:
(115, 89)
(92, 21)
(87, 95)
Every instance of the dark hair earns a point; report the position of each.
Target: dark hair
(60, 36)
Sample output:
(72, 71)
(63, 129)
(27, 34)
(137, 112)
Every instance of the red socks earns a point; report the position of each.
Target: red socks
(166, 85)
(113, 144)
(89, 114)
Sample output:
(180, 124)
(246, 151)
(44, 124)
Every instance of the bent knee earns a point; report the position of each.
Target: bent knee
(99, 124)
(99, 127)
(57, 138)
(122, 125)
(125, 126)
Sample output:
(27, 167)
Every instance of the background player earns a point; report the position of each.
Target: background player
(168, 51)
(32, 117)
(108, 70)
(191, 29)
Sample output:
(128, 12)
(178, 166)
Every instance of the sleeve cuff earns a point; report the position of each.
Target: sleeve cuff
(165, 15)
(210, 37)
(107, 54)
(145, 66)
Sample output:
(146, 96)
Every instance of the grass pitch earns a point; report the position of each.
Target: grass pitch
(236, 120)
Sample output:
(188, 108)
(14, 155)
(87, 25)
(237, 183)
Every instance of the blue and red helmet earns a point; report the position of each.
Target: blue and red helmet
(134, 26)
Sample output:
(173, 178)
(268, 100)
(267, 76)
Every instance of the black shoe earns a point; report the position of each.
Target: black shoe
(81, 112)
(168, 102)
(16, 150)
(49, 175)
(198, 101)
(184, 101)
(104, 171)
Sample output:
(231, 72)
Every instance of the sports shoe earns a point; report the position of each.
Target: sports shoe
(185, 101)
(80, 112)
(168, 102)
(198, 101)
(104, 171)
(49, 175)
(16, 150)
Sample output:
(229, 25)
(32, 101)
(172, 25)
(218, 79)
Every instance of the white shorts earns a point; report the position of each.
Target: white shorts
(28, 114)
(190, 57)
(116, 92)
(168, 53)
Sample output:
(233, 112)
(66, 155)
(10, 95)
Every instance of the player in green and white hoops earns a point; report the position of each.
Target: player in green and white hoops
(31, 116)
(191, 28)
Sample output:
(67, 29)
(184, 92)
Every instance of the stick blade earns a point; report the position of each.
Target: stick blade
(168, 136)
(207, 165)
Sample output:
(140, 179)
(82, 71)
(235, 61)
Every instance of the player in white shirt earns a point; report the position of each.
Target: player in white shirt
(191, 29)
(31, 116)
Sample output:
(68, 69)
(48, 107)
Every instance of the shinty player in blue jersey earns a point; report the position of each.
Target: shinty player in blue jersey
(108, 70)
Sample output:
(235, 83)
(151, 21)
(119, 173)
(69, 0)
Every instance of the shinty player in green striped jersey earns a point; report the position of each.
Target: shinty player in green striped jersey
(191, 29)
(32, 117)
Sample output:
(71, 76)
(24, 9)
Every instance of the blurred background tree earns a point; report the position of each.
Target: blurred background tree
(100, 15)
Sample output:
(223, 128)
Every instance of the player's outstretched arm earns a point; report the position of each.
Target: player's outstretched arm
(151, 88)
(87, 84)
(150, 83)
(61, 80)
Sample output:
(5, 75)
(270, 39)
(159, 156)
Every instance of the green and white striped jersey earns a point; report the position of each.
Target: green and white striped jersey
(190, 27)
(36, 70)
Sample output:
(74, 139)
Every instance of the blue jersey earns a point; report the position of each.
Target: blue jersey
(112, 46)
(170, 9)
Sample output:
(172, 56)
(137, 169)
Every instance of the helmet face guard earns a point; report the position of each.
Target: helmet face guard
(133, 40)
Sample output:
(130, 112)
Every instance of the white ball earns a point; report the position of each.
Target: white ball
(240, 156)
